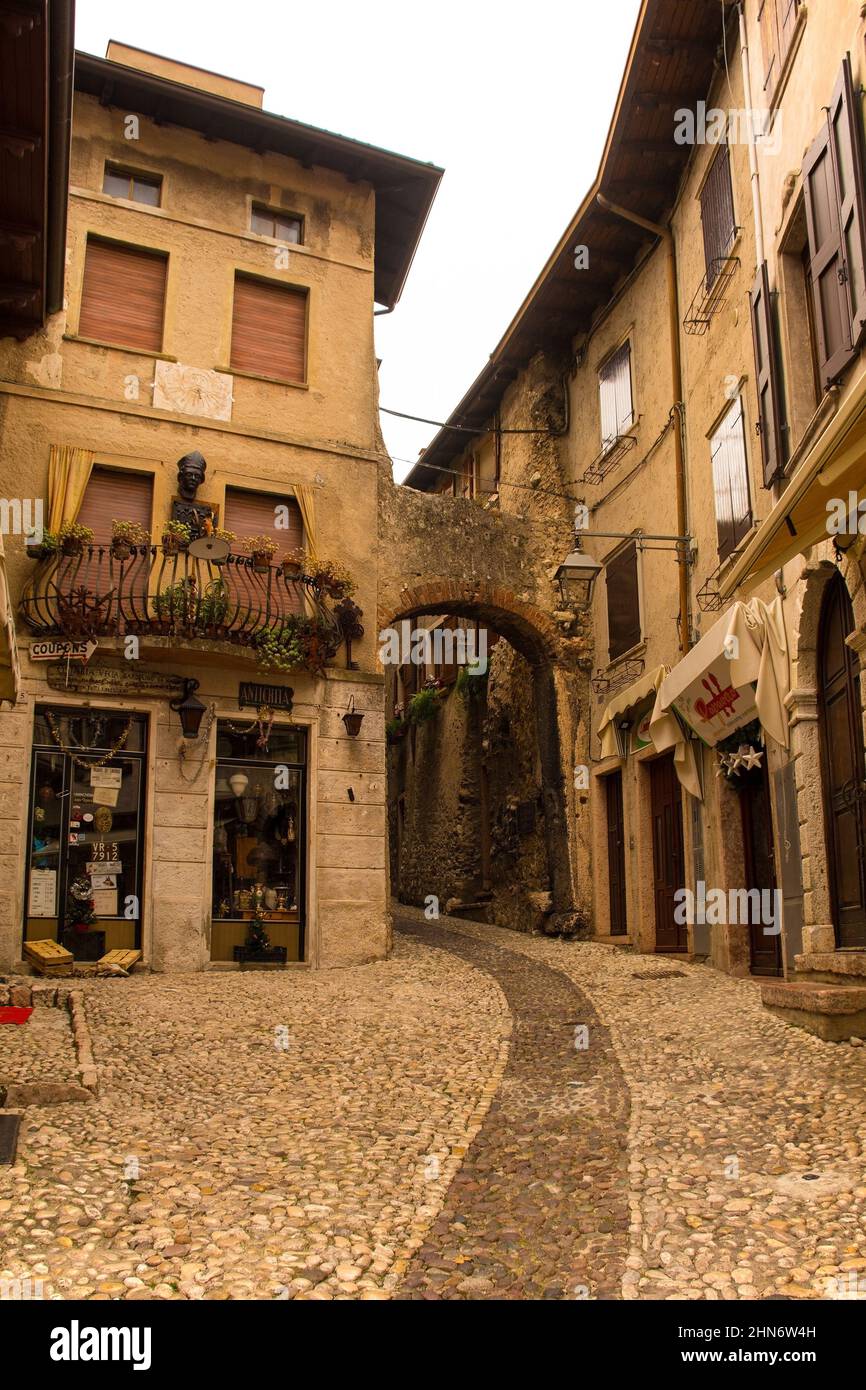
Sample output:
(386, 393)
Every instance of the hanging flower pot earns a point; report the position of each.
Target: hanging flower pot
(175, 537)
(73, 538)
(353, 719)
(261, 550)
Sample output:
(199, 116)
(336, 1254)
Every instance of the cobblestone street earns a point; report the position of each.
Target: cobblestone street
(434, 1127)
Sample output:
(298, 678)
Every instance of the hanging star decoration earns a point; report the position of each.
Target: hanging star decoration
(752, 758)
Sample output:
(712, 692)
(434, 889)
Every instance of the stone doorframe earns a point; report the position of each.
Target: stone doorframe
(557, 683)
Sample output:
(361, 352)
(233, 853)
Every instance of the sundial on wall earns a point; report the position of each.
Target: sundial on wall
(192, 391)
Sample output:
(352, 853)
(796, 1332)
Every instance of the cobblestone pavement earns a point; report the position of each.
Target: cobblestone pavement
(40, 1049)
(410, 1129)
(539, 1207)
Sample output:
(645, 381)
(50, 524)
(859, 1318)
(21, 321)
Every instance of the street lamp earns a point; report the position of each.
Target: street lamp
(190, 709)
(576, 577)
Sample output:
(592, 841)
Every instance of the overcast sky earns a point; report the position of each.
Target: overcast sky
(513, 100)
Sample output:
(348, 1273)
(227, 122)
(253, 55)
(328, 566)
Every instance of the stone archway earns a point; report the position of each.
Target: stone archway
(556, 676)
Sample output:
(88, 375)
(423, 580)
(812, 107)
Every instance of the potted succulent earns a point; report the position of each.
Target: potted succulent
(280, 650)
(332, 579)
(73, 537)
(125, 536)
(261, 550)
(175, 537)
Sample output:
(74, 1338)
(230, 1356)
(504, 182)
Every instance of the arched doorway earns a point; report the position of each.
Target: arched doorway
(842, 766)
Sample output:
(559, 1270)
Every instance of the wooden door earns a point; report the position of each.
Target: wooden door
(760, 861)
(616, 854)
(844, 774)
(668, 858)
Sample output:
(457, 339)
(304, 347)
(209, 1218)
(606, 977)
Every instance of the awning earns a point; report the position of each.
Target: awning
(10, 667)
(627, 699)
(834, 467)
(737, 672)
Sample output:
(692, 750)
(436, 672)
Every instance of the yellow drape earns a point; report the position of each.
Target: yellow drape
(10, 670)
(306, 497)
(69, 471)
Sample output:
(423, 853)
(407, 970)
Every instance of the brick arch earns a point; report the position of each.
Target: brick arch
(530, 631)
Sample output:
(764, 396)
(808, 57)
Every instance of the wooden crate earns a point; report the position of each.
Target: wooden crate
(125, 959)
(48, 957)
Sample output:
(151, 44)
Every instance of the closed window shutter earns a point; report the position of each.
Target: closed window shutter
(617, 412)
(717, 214)
(787, 23)
(846, 126)
(827, 260)
(255, 514)
(769, 43)
(269, 329)
(623, 604)
(769, 395)
(123, 296)
(731, 481)
(114, 495)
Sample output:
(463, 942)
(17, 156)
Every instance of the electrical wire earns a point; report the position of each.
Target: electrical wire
(464, 429)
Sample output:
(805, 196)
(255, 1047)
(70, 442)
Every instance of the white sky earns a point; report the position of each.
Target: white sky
(514, 100)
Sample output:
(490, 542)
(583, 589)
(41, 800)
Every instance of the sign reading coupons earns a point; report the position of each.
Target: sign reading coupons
(60, 649)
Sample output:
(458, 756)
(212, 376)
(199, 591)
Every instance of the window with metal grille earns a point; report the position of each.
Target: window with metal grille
(118, 182)
(614, 387)
(731, 479)
(123, 295)
(623, 601)
(717, 215)
(284, 226)
(269, 329)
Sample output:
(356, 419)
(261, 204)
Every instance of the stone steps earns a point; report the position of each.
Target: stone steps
(833, 1012)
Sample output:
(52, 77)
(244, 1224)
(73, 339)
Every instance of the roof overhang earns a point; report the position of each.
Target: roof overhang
(404, 188)
(833, 469)
(671, 65)
(36, 57)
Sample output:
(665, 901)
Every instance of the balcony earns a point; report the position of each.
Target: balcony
(280, 616)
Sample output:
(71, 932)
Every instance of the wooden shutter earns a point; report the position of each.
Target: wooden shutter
(717, 213)
(623, 603)
(788, 10)
(769, 394)
(770, 46)
(123, 296)
(731, 480)
(114, 495)
(617, 412)
(847, 146)
(269, 329)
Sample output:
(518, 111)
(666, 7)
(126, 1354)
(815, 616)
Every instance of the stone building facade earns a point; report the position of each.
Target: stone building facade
(222, 269)
(704, 310)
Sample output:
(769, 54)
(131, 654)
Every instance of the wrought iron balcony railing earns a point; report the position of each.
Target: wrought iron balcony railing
(95, 594)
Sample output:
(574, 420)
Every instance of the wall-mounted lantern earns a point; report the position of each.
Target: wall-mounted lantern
(576, 577)
(353, 719)
(190, 709)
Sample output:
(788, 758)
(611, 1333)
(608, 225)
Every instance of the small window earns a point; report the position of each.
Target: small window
(283, 226)
(623, 602)
(123, 295)
(138, 188)
(614, 386)
(269, 329)
(717, 215)
(731, 480)
(778, 22)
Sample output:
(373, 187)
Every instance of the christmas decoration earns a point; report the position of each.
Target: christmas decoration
(258, 941)
(79, 906)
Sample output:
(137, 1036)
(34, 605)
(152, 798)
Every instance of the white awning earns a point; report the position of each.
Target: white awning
(627, 699)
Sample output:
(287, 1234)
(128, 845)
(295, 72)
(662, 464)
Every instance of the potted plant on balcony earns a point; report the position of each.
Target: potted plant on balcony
(331, 579)
(279, 649)
(125, 536)
(175, 537)
(44, 547)
(293, 563)
(73, 537)
(261, 550)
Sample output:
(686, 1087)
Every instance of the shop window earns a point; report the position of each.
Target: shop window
(259, 836)
(86, 830)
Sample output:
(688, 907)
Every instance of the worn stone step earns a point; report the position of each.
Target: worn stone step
(832, 1012)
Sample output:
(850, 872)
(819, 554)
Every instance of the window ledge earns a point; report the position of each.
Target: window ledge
(639, 649)
(118, 347)
(258, 376)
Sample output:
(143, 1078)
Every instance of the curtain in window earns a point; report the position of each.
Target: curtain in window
(69, 472)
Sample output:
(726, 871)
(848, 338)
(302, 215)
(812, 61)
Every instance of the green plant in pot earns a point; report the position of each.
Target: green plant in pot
(125, 537)
(176, 602)
(279, 649)
(213, 605)
(470, 684)
(48, 544)
(424, 705)
(175, 537)
(331, 578)
(73, 537)
(261, 550)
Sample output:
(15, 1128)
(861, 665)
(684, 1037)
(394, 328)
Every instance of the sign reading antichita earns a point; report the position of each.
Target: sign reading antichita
(274, 696)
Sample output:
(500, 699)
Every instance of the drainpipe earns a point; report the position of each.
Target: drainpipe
(665, 235)
(750, 135)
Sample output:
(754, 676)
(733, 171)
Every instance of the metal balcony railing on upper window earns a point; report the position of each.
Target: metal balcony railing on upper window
(710, 294)
(612, 451)
(93, 593)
